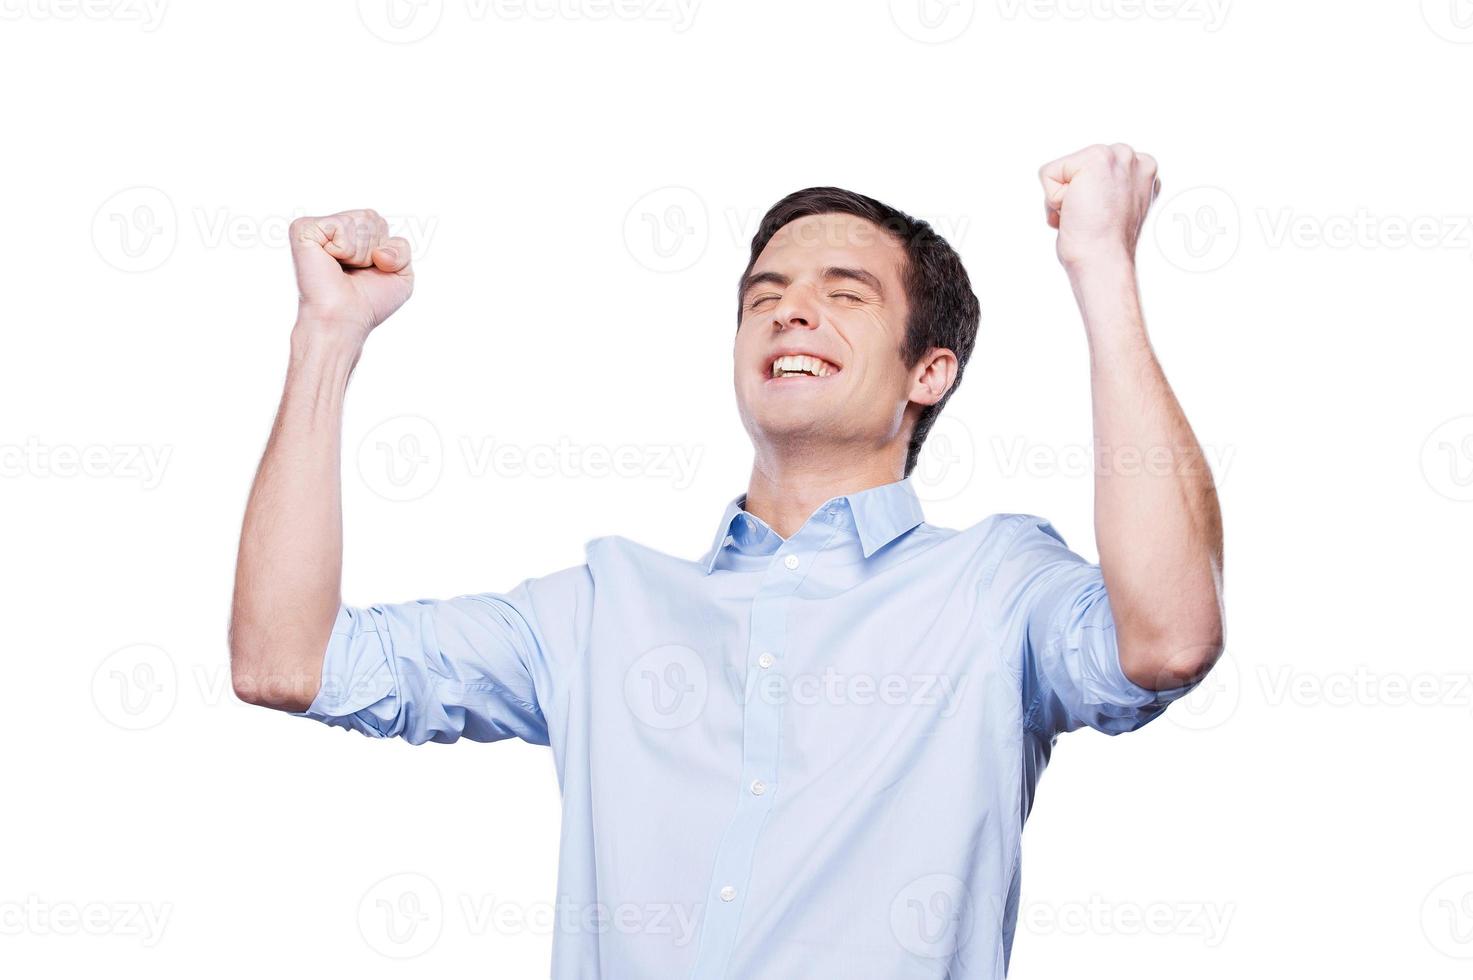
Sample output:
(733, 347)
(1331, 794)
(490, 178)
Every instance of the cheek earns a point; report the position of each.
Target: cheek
(741, 344)
(873, 346)
(878, 369)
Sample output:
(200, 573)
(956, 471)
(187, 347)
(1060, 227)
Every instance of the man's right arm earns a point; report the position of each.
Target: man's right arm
(350, 277)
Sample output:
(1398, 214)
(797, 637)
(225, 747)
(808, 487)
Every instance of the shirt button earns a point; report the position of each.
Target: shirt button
(765, 661)
(758, 787)
(728, 893)
(791, 561)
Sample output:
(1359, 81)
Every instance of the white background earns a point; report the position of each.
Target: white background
(581, 185)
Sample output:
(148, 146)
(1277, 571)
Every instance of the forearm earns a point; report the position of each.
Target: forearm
(289, 568)
(1157, 522)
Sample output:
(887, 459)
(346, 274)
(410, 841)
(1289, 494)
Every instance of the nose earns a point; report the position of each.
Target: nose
(797, 311)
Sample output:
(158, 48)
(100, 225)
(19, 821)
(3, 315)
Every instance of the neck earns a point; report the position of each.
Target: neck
(786, 492)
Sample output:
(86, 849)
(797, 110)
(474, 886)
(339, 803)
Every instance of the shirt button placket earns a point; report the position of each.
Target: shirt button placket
(761, 735)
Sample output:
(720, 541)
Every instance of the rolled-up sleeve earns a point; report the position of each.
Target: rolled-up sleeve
(1060, 613)
(437, 670)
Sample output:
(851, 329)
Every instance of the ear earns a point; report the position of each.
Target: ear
(933, 376)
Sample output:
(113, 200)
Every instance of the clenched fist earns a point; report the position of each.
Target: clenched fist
(1098, 199)
(350, 274)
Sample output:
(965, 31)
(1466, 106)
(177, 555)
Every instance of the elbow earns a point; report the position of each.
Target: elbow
(1164, 645)
(1175, 658)
(244, 670)
(240, 656)
(259, 678)
(1188, 664)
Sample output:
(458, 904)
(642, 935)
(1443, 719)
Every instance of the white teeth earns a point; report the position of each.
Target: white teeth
(791, 365)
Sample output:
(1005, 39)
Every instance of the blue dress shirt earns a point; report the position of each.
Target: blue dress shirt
(801, 758)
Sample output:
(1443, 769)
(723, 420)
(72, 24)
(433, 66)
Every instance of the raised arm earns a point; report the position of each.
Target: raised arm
(1157, 522)
(350, 277)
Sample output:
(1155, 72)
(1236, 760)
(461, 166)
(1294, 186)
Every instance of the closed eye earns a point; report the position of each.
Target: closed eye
(760, 300)
(852, 296)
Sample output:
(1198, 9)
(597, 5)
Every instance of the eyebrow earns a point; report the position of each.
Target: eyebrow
(828, 273)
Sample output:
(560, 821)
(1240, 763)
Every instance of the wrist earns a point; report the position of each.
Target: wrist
(324, 350)
(329, 336)
(1107, 267)
(1109, 301)
(1102, 279)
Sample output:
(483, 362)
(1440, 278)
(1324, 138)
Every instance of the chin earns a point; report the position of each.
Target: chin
(777, 424)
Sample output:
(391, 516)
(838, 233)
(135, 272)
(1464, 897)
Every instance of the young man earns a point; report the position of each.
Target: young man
(811, 752)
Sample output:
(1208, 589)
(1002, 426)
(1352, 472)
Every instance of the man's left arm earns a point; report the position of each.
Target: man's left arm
(1157, 522)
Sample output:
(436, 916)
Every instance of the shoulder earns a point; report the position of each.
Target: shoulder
(613, 552)
(1002, 533)
(1007, 546)
(554, 592)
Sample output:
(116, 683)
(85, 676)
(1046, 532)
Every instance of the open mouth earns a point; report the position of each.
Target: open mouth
(801, 366)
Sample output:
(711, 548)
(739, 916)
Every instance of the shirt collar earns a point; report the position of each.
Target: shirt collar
(881, 514)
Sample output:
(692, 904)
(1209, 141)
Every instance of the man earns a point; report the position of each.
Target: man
(811, 752)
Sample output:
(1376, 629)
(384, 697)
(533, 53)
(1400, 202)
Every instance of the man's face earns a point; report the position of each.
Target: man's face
(818, 353)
